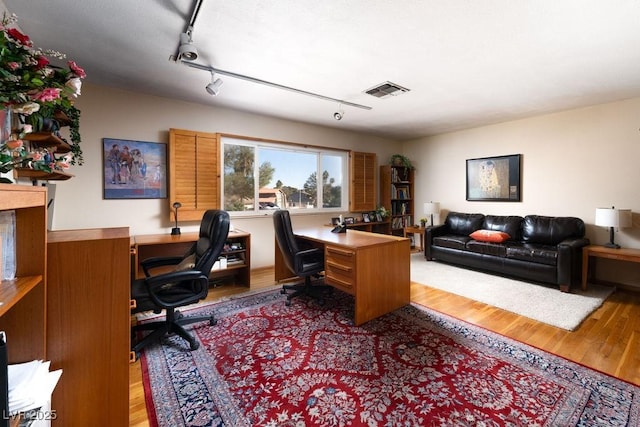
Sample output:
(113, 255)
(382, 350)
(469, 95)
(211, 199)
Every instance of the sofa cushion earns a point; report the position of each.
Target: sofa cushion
(492, 236)
(540, 254)
(550, 230)
(463, 223)
(512, 225)
(451, 241)
(487, 248)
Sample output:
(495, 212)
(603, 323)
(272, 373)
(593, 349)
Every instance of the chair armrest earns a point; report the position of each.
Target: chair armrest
(149, 264)
(191, 281)
(309, 255)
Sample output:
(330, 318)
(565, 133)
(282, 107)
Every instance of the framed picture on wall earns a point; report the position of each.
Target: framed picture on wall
(494, 179)
(134, 169)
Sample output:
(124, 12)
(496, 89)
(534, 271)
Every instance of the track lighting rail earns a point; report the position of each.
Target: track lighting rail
(271, 84)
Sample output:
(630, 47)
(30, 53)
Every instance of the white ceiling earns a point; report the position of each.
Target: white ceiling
(466, 63)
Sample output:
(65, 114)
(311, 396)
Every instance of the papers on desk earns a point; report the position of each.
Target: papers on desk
(30, 385)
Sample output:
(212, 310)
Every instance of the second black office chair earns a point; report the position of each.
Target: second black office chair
(303, 262)
(188, 283)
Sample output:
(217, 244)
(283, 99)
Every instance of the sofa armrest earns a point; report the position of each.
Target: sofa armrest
(430, 233)
(570, 261)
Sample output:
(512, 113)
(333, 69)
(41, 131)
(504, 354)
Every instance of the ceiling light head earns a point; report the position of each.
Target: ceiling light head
(213, 88)
(338, 115)
(187, 50)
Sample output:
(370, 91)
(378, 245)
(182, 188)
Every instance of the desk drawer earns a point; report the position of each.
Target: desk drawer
(340, 268)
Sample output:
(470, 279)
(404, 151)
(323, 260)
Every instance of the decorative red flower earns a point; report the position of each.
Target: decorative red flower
(42, 62)
(22, 39)
(77, 70)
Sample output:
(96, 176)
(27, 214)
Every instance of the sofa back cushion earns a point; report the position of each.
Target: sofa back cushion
(463, 223)
(549, 230)
(512, 225)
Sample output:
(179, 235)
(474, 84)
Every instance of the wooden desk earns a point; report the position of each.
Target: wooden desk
(414, 229)
(374, 268)
(161, 245)
(588, 269)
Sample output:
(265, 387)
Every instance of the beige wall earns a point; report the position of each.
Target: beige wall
(109, 113)
(572, 163)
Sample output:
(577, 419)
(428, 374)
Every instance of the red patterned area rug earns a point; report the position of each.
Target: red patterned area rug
(265, 364)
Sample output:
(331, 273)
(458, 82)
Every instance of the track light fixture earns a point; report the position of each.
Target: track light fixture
(338, 115)
(213, 88)
(187, 50)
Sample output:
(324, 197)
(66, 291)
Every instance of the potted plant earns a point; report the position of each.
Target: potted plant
(400, 160)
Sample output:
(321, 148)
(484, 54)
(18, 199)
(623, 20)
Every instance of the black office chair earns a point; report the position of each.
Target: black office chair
(187, 283)
(304, 262)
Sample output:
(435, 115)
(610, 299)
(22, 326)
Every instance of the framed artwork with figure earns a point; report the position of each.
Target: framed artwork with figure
(494, 178)
(134, 169)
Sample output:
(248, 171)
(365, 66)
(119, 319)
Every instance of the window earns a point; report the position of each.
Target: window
(260, 176)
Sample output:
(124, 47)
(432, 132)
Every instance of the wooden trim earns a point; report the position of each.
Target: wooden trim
(275, 141)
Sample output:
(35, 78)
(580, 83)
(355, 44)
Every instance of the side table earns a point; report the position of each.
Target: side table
(596, 251)
(414, 229)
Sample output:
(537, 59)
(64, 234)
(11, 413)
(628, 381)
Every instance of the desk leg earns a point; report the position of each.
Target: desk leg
(585, 269)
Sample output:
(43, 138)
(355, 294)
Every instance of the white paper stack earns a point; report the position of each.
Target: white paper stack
(31, 385)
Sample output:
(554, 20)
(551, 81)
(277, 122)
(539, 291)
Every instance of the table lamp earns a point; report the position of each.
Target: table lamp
(613, 218)
(431, 208)
(176, 230)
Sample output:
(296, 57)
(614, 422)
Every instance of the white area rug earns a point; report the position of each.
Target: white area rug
(539, 302)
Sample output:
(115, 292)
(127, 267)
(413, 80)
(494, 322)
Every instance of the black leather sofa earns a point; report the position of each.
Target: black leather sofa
(535, 248)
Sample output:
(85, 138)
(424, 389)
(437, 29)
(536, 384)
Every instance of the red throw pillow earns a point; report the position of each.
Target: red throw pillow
(490, 236)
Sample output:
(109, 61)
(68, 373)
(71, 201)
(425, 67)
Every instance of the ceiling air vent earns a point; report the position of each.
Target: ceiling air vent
(386, 89)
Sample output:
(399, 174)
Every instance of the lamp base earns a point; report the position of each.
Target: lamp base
(175, 231)
(611, 244)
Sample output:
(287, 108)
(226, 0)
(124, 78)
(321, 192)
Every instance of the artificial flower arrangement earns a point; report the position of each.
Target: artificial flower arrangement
(37, 91)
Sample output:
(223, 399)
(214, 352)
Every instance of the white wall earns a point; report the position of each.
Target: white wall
(110, 113)
(572, 163)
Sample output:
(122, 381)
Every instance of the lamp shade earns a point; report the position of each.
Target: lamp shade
(611, 217)
(431, 208)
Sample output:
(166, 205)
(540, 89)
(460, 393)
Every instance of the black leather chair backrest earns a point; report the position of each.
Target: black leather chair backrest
(214, 230)
(285, 237)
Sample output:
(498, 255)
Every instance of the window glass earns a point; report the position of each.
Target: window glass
(239, 181)
(281, 176)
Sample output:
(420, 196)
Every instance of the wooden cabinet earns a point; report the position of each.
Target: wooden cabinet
(396, 195)
(363, 188)
(23, 299)
(88, 321)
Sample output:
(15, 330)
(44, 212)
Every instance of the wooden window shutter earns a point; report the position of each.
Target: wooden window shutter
(362, 197)
(194, 177)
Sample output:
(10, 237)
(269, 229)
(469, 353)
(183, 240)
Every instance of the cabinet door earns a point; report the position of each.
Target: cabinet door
(194, 177)
(362, 192)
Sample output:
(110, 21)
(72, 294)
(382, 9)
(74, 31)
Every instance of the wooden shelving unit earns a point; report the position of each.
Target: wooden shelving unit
(47, 140)
(396, 195)
(23, 308)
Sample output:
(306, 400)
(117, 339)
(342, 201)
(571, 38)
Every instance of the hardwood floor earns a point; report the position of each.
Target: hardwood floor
(608, 340)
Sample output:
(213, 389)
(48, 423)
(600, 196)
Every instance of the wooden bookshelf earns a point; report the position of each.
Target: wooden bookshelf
(23, 308)
(397, 196)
